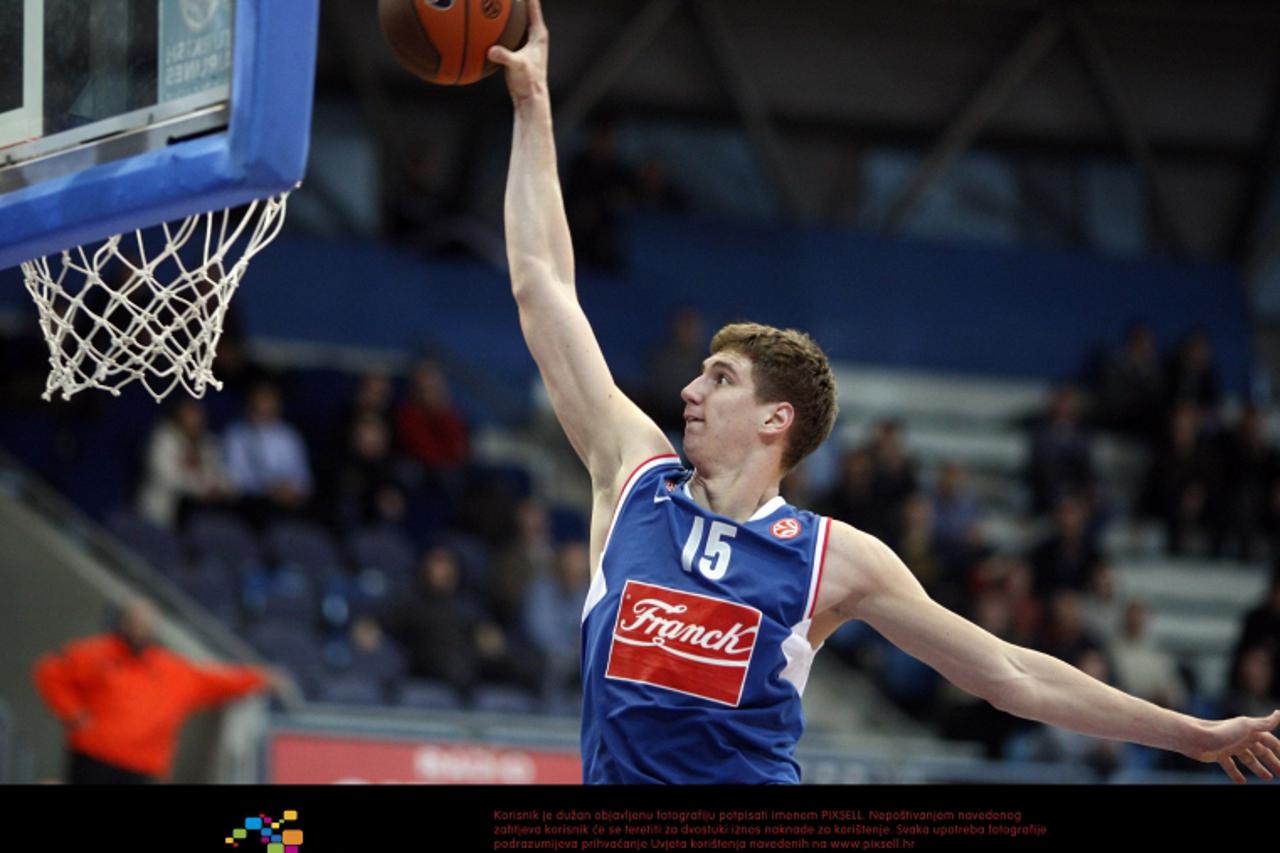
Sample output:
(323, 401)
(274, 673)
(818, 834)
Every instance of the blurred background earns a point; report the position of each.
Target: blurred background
(1040, 241)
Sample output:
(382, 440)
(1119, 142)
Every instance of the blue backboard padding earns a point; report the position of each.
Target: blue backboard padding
(263, 151)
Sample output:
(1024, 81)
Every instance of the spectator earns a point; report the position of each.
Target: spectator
(530, 555)
(447, 640)
(679, 360)
(1131, 392)
(1140, 666)
(367, 490)
(956, 511)
(1245, 513)
(123, 699)
(1181, 479)
(267, 459)
(373, 396)
(1262, 628)
(893, 479)
(916, 543)
(1061, 453)
(1192, 375)
(1253, 684)
(1066, 559)
(1065, 636)
(851, 500)
(598, 192)
(428, 426)
(1102, 611)
(553, 614)
(184, 467)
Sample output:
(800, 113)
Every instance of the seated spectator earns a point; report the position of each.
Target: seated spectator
(1261, 628)
(1182, 478)
(1245, 514)
(674, 366)
(1066, 559)
(366, 489)
(915, 542)
(1061, 453)
(1192, 376)
(893, 477)
(956, 510)
(553, 614)
(1065, 636)
(447, 640)
(1141, 667)
(267, 459)
(428, 426)
(1102, 610)
(1253, 686)
(852, 501)
(598, 192)
(530, 555)
(373, 396)
(1131, 391)
(184, 469)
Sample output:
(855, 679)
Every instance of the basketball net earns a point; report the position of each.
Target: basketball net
(116, 313)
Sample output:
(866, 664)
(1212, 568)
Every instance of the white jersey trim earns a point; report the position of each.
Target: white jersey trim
(799, 655)
(817, 565)
(598, 585)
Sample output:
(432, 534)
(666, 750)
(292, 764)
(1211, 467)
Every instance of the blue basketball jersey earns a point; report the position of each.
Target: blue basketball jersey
(695, 645)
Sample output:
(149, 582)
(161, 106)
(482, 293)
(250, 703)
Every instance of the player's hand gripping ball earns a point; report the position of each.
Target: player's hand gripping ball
(447, 41)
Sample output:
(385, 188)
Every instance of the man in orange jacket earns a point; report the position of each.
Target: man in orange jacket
(123, 699)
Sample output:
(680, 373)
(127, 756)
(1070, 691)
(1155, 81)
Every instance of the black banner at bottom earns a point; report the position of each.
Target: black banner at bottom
(304, 819)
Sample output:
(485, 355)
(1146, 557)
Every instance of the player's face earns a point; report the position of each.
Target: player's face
(721, 414)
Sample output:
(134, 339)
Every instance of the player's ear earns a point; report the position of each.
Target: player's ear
(780, 418)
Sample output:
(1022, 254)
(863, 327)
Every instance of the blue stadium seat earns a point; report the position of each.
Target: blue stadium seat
(428, 695)
(291, 597)
(351, 689)
(212, 588)
(224, 539)
(498, 698)
(158, 546)
(295, 647)
(385, 548)
(303, 545)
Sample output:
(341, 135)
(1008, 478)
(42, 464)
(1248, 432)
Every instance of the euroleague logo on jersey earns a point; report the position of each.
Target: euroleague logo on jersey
(787, 528)
(686, 642)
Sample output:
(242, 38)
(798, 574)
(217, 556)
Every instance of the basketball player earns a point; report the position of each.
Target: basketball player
(710, 594)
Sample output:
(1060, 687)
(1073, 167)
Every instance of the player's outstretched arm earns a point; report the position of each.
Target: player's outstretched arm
(606, 429)
(869, 582)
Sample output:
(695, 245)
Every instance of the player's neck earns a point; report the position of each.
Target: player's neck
(733, 494)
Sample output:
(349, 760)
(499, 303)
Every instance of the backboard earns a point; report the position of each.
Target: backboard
(122, 114)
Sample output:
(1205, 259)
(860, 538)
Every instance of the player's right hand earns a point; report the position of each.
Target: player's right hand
(526, 68)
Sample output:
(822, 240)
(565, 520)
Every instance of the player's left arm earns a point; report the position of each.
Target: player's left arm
(871, 583)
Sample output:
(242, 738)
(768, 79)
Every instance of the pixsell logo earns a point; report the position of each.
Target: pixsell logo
(692, 644)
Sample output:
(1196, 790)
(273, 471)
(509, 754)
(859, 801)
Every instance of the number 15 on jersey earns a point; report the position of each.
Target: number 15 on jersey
(716, 562)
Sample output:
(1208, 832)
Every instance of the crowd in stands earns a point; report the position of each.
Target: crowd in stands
(1212, 483)
(367, 550)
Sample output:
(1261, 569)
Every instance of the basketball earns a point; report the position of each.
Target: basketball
(447, 41)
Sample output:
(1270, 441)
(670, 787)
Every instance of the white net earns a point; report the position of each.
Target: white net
(127, 311)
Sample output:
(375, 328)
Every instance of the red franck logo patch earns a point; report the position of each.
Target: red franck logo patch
(787, 528)
(692, 644)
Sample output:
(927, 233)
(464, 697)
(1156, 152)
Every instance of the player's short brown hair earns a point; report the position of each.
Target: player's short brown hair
(788, 367)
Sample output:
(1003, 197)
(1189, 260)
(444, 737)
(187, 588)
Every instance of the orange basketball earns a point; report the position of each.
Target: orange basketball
(447, 41)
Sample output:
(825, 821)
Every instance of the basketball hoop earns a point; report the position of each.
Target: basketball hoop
(118, 312)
